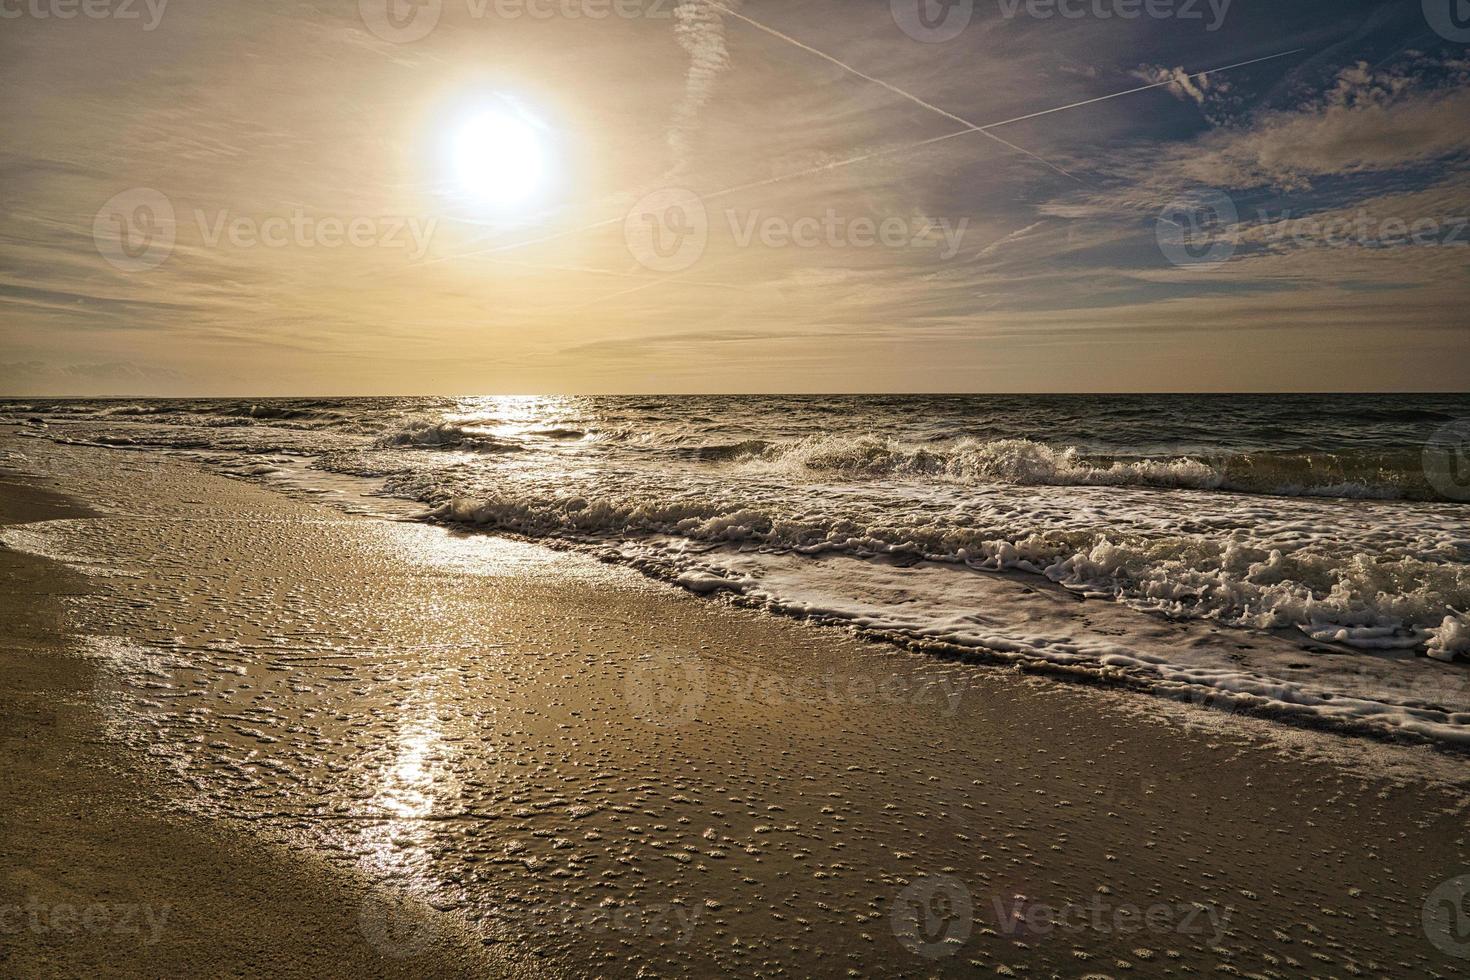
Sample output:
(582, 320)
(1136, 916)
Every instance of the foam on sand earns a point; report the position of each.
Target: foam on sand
(944, 607)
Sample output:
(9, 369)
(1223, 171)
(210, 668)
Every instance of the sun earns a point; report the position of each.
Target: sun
(499, 157)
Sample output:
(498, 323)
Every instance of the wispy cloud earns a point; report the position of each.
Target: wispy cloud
(1180, 83)
(700, 28)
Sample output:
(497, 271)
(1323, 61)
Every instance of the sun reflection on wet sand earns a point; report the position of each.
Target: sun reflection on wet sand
(450, 551)
(409, 791)
(409, 788)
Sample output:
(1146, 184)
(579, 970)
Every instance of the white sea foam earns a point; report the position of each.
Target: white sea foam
(1450, 638)
(1266, 570)
(933, 604)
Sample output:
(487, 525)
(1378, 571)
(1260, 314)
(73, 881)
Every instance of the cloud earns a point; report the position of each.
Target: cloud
(700, 29)
(1371, 131)
(1178, 83)
(1368, 122)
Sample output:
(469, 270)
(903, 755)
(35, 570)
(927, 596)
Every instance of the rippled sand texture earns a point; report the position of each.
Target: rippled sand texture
(570, 762)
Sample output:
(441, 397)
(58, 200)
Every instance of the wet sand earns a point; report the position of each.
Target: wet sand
(275, 721)
(101, 874)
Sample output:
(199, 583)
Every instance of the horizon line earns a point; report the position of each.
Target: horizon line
(751, 394)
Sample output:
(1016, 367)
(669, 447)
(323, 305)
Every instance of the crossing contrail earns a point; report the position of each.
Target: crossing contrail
(970, 127)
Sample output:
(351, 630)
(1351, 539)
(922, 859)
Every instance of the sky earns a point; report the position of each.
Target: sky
(208, 197)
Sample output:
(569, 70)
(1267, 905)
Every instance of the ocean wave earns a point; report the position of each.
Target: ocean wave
(1362, 601)
(1017, 461)
(1025, 462)
(279, 412)
(719, 452)
(558, 433)
(1217, 512)
(140, 410)
(444, 435)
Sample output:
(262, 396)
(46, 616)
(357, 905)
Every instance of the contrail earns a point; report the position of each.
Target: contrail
(1141, 88)
(971, 127)
(850, 161)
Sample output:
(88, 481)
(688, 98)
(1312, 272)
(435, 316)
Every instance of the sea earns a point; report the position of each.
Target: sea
(1299, 557)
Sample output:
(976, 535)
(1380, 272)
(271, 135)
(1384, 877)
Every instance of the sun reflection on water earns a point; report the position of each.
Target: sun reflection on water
(514, 416)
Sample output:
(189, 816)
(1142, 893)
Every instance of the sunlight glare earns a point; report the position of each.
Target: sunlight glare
(499, 157)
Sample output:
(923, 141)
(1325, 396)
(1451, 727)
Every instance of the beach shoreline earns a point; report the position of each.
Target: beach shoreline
(100, 876)
(588, 728)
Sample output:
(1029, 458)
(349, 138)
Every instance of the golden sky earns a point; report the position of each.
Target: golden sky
(457, 196)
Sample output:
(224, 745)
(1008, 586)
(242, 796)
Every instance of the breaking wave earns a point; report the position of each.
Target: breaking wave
(444, 435)
(1026, 462)
(1363, 601)
(1017, 461)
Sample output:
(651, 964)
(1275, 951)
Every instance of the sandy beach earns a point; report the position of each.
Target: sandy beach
(247, 731)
